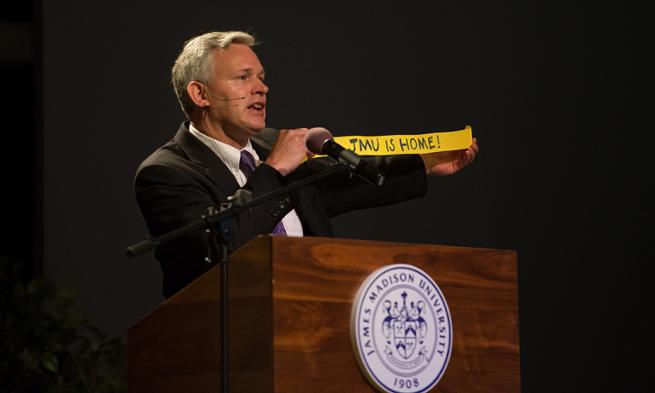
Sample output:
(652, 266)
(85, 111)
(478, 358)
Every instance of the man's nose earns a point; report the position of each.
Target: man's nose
(260, 88)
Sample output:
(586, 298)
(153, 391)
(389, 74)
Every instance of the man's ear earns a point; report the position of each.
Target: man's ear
(198, 94)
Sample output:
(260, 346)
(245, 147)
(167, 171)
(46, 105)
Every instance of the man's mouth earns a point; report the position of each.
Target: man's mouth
(258, 106)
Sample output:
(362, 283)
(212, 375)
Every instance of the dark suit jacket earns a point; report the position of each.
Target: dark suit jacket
(180, 180)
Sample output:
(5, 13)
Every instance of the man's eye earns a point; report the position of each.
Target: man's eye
(243, 77)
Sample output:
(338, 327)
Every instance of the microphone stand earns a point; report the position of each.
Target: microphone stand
(213, 219)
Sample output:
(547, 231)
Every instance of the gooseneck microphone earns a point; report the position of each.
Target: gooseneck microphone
(320, 141)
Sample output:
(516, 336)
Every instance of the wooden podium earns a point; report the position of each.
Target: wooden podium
(290, 308)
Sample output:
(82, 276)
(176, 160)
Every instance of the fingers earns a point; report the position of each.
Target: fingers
(289, 150)
(475, 146)
(467, 156)
(294, 141)
(472, 151)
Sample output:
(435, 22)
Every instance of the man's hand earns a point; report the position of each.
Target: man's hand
(449, 162)
(289, 151)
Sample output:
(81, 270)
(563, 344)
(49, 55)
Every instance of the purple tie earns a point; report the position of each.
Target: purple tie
(247, 166)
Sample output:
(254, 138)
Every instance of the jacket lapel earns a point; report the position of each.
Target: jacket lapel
(263, 142)
(200, 154)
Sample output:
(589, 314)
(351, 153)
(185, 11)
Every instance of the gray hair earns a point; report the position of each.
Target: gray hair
(195, 63)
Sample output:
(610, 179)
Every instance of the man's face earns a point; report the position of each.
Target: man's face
(237, 73)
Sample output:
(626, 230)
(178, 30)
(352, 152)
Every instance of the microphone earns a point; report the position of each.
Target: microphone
(320, 141)
(225, 99)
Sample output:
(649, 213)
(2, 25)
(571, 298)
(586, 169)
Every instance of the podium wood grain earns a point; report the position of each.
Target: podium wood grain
(290, 309)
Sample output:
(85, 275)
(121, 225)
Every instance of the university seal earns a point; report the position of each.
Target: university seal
(401, 330)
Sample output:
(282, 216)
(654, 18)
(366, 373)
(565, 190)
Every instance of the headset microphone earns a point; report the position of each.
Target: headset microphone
(230, 99)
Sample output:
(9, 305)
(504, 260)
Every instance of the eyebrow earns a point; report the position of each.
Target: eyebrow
(252, 71)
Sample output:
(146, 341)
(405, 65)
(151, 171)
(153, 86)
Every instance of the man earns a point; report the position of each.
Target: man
(219, 82)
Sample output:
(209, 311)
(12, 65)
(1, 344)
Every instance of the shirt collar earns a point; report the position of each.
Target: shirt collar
(229, 154)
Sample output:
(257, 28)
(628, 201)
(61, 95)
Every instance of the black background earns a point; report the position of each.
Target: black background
(556, 93)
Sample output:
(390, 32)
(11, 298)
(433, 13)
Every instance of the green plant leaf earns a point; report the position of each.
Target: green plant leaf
(66, 292)
(34, 287)
(29, 360)
(50, 362)
(53, 346)
(18, 290)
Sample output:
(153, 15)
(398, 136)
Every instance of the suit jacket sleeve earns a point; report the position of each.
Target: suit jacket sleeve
(405, 178)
